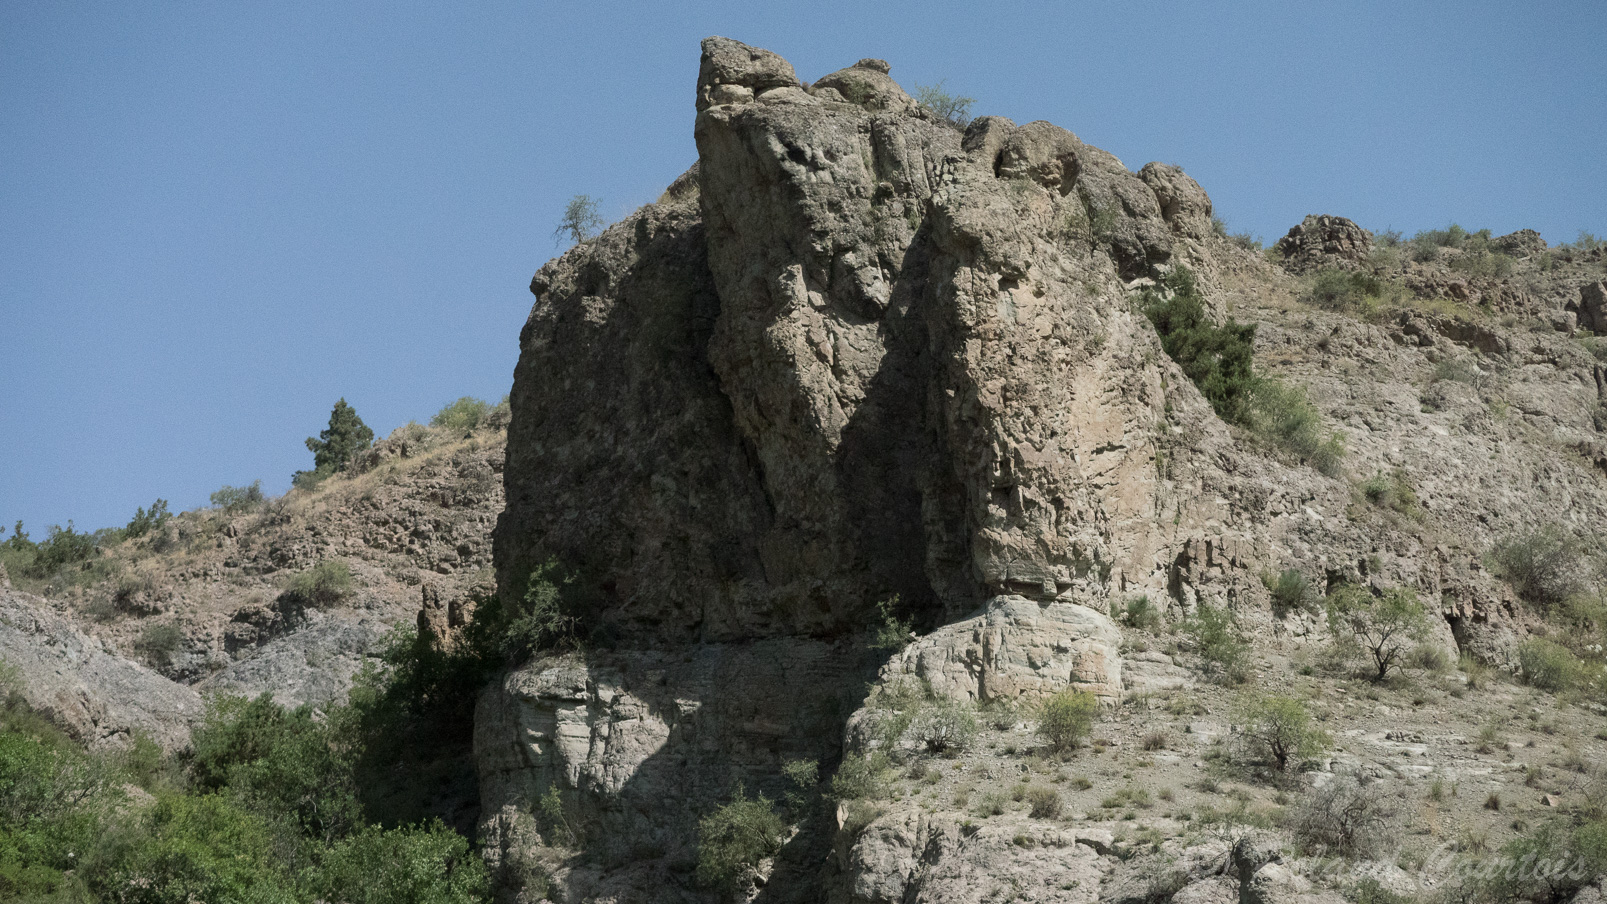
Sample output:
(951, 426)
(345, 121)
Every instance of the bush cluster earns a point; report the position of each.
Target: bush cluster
(265, 810)
(735, 839)
(1278, 731)
(322, 585)
(234, 500)
(1219, 642)
(1220, 362)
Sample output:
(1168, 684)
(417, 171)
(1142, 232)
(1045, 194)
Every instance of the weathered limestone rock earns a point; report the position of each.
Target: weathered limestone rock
(732, 72)
(1018, 648)
(1592, 307)
(101, 699)
(907, 855)
(1324, 241)
(315, 663)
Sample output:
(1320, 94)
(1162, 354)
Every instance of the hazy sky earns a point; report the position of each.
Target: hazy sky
(218, 218)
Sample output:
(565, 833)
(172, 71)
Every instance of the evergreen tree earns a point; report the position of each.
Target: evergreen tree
(346, 436)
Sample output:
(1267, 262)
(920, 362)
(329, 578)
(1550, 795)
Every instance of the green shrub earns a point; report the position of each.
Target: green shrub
(1392, 491)
(1218, 359)
(1067, 719)
(322, 585)
(735, 839)
(144, 521)
(1345, 290)
(1546, 565)
(1218, 641)
(943, 725)
(890, 633)
(158, 642)
(192, 848)
(953, 108)
(423, 863)
(867, 777)
(234, 500)
(541, 621)
(463, 415)
(1550, 666)
(1283, 416)
(284, 763)
(1386, 627)
(1044, 803)
(1291, 591)
(1279, 731)
(1140, 613)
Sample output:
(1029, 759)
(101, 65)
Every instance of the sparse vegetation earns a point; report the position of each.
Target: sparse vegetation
(952, 108)
(1392, 491)
(580, 220)
(1344, 817)
(1291, 592)
(321, 586)
(891, 632)
(1218, 641)
(234, 500)
(1546, 566)
(1550, 666)
(1140, 613)
(463, 415)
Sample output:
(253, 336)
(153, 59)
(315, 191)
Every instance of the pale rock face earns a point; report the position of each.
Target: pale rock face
(1018, 648)
(99, 698)
(907, 855)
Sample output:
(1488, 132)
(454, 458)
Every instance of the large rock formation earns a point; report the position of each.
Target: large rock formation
(853, 354)
(857, 354)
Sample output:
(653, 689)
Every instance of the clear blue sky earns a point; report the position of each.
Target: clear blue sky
(218, 218)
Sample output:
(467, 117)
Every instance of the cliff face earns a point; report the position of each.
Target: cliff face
(856, 353)
(853, 353)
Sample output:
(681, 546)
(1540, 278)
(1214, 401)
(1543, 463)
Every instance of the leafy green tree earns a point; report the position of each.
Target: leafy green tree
(1279, 730)
(1386, 627)
(580, 220)
(340, 442)
(733, 840)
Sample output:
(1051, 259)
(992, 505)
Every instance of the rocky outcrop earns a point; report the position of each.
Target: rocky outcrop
(853, 354)
(97, 697)
(1322, 241)
(1592, 306)
(1017, 649)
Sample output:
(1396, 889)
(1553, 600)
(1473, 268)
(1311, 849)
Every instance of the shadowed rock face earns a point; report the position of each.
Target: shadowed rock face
(852, 353)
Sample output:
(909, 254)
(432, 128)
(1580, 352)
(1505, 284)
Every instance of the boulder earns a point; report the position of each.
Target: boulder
(1592, 306)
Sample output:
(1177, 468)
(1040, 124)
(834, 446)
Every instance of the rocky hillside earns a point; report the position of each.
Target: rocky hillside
(863, 373)
(285, 595)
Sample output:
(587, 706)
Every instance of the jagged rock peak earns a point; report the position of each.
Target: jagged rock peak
(1324, 241)
(733, 72)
